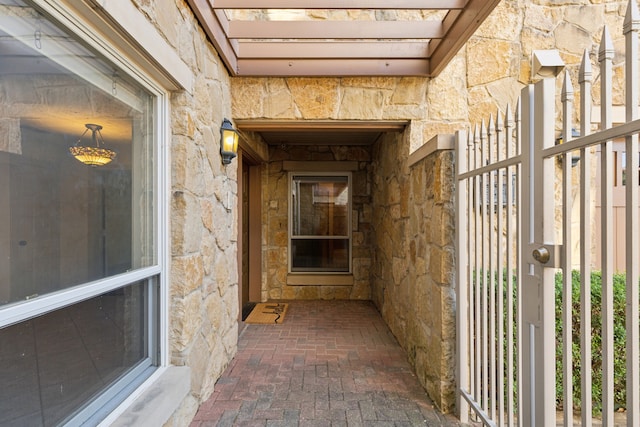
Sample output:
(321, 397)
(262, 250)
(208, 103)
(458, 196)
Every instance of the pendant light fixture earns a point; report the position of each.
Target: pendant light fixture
(94, 154)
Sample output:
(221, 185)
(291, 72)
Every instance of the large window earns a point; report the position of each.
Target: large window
(79, 256)
(320, 223)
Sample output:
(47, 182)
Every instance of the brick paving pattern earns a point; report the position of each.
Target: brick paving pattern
(331, 363)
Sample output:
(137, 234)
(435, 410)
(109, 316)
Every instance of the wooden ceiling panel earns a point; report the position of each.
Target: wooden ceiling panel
(289, 38)
(338, 4)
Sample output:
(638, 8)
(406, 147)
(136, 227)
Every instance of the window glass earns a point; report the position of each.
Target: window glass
(321, 206)
(320, 214)
(320, 255)
(78, 203)
(54, 364)
(64, 222)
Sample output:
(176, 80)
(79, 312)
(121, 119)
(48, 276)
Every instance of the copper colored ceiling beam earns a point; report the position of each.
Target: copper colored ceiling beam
(335, 30)
(340, 48)
(339, 4)
(319, 49)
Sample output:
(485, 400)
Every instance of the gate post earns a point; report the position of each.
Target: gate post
(538, 255)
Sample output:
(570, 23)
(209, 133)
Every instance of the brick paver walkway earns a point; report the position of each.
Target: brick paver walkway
(331, 363)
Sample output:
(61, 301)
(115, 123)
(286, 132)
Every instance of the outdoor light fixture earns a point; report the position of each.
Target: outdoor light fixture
(228, 142)
(94, 154)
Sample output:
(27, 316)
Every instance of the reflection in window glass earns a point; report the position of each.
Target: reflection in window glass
(320, 215)
(320, 255)
(63, 222)
(53, 364)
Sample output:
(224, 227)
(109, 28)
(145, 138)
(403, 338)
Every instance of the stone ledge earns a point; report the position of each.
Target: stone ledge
(317, 166)
(320, 279)
(156, 404)
(437, 143)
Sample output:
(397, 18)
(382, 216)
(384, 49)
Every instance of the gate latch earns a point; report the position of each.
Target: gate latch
(548, 255)
(541, 255)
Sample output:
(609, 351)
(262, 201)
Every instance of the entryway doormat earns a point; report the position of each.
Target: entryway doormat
(268, 313)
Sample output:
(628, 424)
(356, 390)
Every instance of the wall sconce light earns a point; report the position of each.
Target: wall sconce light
(228, 142)
(560, 139)
(94, 154)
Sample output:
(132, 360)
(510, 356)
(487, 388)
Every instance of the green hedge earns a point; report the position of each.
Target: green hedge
(619, 298)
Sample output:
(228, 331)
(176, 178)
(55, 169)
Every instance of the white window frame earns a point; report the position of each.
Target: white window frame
(69, 17)
(349, 176)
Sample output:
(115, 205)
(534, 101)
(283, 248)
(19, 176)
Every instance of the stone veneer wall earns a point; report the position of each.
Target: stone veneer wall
(498, 56)
(275, 220)
(203, 288)
(431, 111)
(412, 274)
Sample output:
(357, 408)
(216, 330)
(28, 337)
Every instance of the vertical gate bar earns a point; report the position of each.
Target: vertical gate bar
(493, 248)
(519, 264)
(462, 294)
(605, 56)
(584, 78)
(472, 257)
(478, 270)
(567, 301)
(527, 386)
(632, 73)
(500, 271)
(472, 261)
(485, 268)
(509, 272)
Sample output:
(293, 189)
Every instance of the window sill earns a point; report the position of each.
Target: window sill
(157, 403)
(305, 279)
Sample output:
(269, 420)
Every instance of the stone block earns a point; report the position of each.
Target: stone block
(446, 95)
(359, 103)
(291, 292)
(489, 60)
(410, 90)
(186, 274)
(315, 98)
(198, 360)
(183, 123)
(361, 290)
(280, 102)
(214, 311)
(248, 97)
(571, 38)
(442, 264)
(308, 292)
(184, 320)
(186, 230)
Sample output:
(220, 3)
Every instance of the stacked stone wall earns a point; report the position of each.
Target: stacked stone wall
(203, 288)
(413, 263)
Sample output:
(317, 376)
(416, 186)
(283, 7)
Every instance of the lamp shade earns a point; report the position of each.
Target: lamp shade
(228, 142)
(94, 154)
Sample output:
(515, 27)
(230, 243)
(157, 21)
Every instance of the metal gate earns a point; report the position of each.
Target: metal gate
(534, 316)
